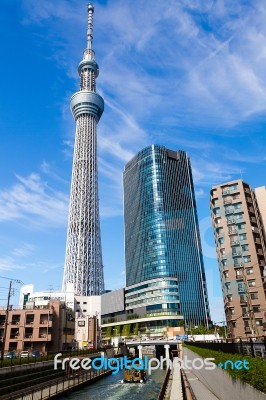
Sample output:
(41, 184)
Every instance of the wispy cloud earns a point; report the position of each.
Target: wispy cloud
(23, 250)
(32, 199)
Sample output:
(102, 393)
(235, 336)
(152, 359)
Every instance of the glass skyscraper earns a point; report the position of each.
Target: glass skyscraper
(164, 264)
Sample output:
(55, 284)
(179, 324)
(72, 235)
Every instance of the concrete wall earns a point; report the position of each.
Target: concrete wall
(222, 384)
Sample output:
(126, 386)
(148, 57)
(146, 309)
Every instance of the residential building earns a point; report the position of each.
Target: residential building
(260, 194)
(45, 328)
(240, 247)
(164, 263)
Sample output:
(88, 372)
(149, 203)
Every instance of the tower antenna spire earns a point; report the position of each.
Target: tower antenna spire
(90, 26)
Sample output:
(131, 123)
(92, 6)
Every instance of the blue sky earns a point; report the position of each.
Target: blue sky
(186, 74)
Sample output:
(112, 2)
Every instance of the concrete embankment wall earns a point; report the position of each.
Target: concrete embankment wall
(222, 384)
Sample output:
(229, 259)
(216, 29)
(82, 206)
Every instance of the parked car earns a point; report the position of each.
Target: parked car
(24, 354)
(10, 354)
(35, 353)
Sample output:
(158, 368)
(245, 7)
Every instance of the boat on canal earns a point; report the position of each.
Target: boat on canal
(134, 375)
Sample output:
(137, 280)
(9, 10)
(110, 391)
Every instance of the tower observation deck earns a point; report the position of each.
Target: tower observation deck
(83, 261)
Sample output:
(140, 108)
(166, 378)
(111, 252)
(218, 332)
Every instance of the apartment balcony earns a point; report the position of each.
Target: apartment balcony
(247, 329)
(258, 241)
(243, 302)
(231, 221)
(248, 199)
(245, 315)
(260, 252)
(46, 323)
(234, 242)
(251, 209)
(241, 288)
(229, 211)
(14, 336)
(45, 337)
(227, 201)
(228, 304)
(28, 336)
(236, 253)
(29, 323)
(264, 326)
(232, 231)
(15, 322)
(226, 191)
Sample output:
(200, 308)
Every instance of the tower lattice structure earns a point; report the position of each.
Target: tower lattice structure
(83, 262)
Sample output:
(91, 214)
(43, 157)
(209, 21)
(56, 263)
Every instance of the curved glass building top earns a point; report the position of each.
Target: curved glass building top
(161, 226)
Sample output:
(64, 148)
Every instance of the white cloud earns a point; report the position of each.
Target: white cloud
(33, 200)
(25, 249)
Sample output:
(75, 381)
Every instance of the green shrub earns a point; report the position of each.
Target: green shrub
(255, 375)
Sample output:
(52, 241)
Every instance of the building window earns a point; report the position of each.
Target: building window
(237, 206)
(224, 262)
(249, 271)
(234, 186)
(259, 322)
(243, 236)
(246, 259)
(245, 247)
(254, 296)
(226, 275)
(84, 302)
(241, 226)
(241, 287)
(239, 215)
(222, 251)
(221, 240)
(256, 308)
(84, 310)
(227, 285)
(252, 283)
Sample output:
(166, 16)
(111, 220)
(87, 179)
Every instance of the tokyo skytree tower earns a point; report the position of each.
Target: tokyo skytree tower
(83, 262)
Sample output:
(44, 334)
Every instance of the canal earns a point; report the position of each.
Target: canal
(110, 388)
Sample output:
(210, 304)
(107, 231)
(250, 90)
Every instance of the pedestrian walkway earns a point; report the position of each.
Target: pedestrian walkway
(201, 391)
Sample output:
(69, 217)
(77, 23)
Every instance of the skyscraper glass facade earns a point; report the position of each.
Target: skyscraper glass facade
(161, 230)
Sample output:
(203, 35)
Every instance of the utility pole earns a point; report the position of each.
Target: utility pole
(7, 311)
(6, 321)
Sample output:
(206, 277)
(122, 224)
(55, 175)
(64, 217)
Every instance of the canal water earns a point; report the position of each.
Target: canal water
(110, 388)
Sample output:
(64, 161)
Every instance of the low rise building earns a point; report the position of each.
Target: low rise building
(45, 328)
